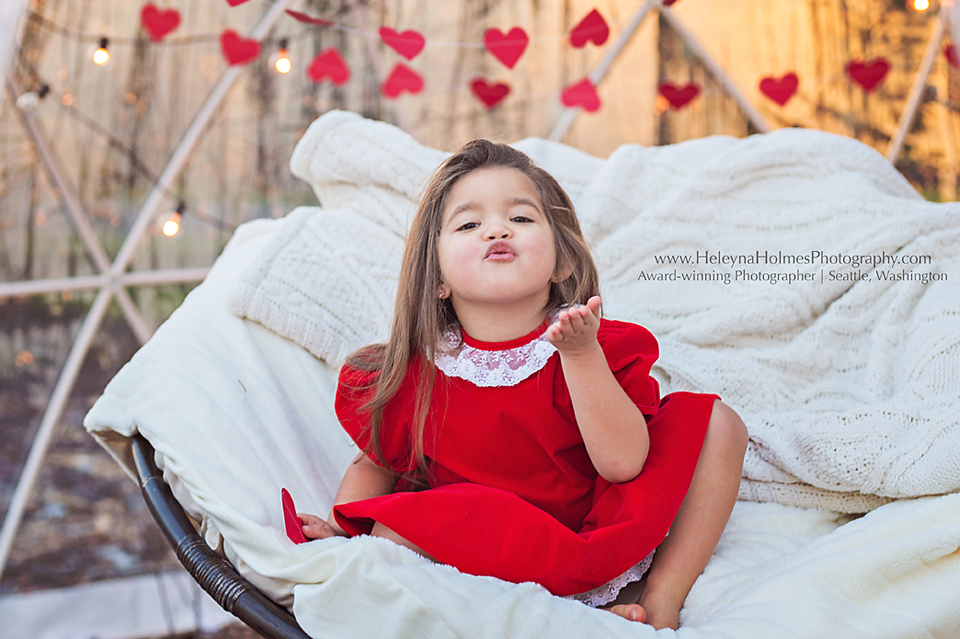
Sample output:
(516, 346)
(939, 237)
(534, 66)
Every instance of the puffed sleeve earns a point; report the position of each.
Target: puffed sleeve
(631, 351)
(354, 388)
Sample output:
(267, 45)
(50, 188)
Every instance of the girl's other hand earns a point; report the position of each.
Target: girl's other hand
(575, 331)
(316, 528)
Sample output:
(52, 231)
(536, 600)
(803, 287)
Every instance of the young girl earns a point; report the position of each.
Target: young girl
(509, 430)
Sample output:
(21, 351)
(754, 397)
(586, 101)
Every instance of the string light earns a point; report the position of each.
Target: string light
(29, 101)
(921, 5)
(279, 60)
(101, 56)
(172, 225)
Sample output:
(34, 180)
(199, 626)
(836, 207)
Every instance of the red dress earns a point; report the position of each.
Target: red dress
(514, 493)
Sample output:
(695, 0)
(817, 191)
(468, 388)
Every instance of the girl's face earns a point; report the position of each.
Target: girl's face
(496, 245)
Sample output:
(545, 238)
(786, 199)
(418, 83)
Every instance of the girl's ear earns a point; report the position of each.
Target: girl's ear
(566, 270)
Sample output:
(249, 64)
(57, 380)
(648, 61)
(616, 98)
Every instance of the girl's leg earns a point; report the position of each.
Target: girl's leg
(379, 530)
(693, 537)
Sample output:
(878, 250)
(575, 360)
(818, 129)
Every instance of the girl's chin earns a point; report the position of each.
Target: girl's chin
(501, 296)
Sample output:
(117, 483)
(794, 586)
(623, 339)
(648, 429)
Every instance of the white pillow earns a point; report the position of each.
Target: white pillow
(327, 281)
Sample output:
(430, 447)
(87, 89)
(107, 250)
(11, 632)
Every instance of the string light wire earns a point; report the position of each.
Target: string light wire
(112, 140)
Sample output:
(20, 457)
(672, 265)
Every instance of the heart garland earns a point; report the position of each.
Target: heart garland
(236, 49)
(158, 22)
(507, 48)
(869, 75)
(489, 94)
(329, 64)
(401, 79)
(408, 44)
(582, 94)
(780, 90)
(679, 96)
(593, 28)
(950, 51)
(299, 16)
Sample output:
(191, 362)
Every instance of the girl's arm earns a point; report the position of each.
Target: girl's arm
(613, 428)
(364, 479)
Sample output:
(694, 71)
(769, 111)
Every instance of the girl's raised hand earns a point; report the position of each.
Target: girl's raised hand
(575, 331)
(317, 528)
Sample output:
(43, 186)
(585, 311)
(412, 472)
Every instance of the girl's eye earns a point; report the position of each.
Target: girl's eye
(466, 226)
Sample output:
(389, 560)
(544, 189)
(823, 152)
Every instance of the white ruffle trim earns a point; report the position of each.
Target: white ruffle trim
(507, 367)
(608, 592)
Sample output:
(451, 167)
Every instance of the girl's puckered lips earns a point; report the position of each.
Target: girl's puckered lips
(499, 248)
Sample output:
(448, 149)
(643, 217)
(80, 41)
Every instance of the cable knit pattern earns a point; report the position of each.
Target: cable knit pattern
(848, 384)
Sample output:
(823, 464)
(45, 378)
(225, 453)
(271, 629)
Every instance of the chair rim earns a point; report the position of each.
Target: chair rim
(215, 575)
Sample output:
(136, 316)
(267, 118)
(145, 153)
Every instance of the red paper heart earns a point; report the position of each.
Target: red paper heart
(506, 48)
(408, 44)
(489, 94)
(868, 75)
(780, 91)
(401, 79)
(593, 28)
(678, 96)
(582, 94)
(238, 50)
(304, 18)
(291, 522)
(329, 64)
(234, 3)
(157, 22)
(951, 52)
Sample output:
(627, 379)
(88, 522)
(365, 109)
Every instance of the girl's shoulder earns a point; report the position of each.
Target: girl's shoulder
(362, 368)
(618, 337)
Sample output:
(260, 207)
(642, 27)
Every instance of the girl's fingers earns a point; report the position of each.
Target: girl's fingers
(318, 531)
(574, 320)
(556, 331)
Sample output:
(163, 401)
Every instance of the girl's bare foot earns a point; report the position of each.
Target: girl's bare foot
(630, 612)
(660, 614)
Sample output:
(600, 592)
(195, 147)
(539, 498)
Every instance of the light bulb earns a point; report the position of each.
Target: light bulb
(172, 224)
(921, 5)
(28, 102)
(101, 56)
(280, 60)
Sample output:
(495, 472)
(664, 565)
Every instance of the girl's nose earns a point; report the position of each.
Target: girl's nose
(498, 231)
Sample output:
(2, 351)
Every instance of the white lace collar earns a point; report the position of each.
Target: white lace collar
(506, 367)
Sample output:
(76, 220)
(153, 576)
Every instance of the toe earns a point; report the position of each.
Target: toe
(631, 612)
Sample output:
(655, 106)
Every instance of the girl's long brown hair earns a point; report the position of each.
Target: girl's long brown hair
(420, 317)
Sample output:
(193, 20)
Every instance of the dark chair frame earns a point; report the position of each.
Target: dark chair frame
(235, 594)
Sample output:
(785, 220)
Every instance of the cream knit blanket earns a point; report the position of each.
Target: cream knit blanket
(797, 274)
